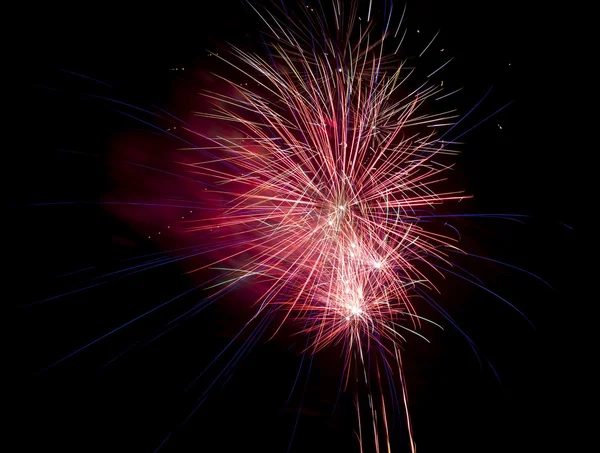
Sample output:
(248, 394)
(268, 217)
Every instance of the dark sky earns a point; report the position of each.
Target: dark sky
(521, 161)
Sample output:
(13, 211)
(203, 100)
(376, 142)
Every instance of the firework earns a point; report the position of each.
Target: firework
(324, 183)
(318, 195)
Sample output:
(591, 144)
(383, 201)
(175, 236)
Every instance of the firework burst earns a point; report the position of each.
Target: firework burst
(323, 186)
(320, 196)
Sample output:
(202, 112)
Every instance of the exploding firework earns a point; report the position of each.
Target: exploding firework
(321, 195)
(324, 183)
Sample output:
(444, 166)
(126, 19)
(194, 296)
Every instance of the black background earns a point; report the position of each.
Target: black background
(531, 166)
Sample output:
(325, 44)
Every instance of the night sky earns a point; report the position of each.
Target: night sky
(521, 161)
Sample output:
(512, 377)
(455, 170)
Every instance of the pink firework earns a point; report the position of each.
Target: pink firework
(322, 186)
(318, 192)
